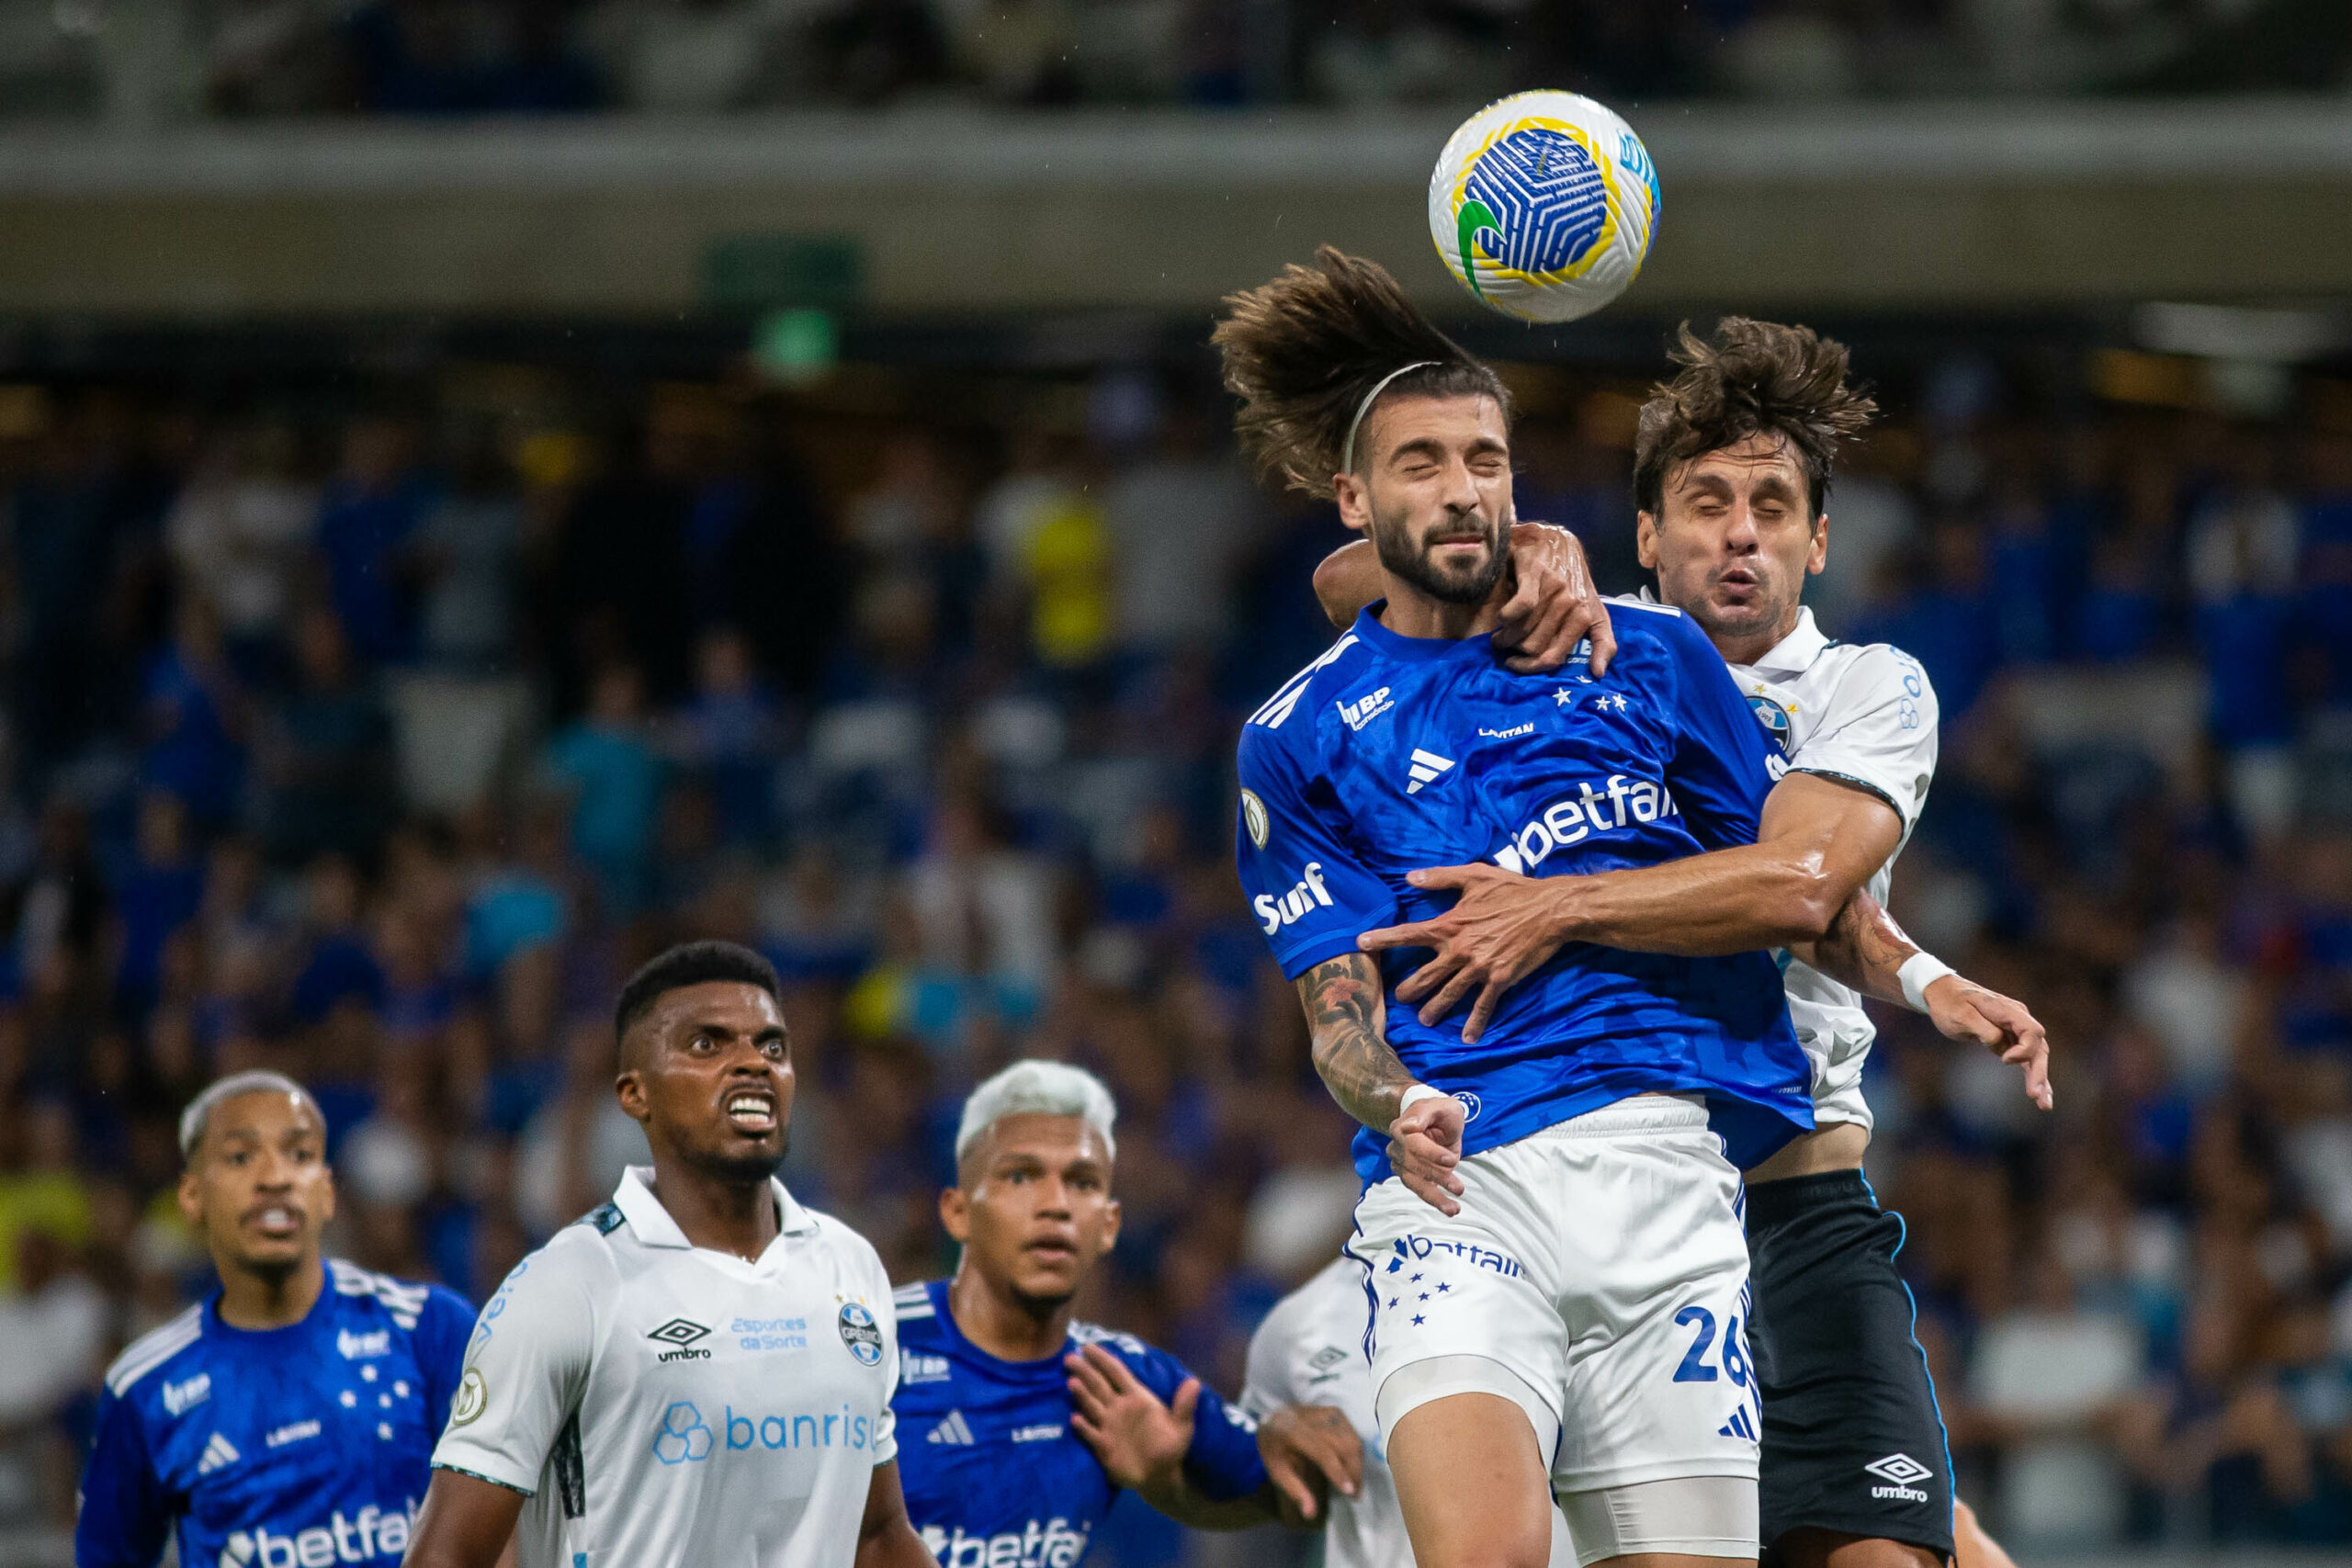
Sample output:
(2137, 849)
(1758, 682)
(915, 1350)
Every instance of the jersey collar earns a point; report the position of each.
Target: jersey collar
(1368, 630)
(654, 1227)
(1794, 654)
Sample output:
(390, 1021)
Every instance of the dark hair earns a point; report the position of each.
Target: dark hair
(1303, 351)
(691, 963)
(1754, 378)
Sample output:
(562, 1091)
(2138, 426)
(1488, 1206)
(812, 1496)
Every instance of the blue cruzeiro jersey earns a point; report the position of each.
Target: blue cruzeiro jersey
(286, 1447)
(994, 1477)
(1390, 753)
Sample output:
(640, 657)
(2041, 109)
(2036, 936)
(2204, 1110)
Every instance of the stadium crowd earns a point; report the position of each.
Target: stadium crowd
(375, 735)
(172, 59)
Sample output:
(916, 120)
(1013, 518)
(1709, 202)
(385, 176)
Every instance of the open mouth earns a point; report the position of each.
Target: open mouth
(752, 1113)
(277, 1221)
(1051, 1250)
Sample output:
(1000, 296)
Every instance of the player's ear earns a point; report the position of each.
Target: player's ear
(630, 1089)
(1355, 502)
(1645, 540)
(1818, 556)
(955, 1214)
(191, 1197)
(1110, 1227)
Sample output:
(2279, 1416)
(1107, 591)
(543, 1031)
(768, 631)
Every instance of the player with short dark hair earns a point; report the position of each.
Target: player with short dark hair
(289, 1418)
(1733, 462)
(1031, 1424)
(699, 1370)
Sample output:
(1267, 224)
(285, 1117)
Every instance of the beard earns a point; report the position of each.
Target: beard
(1408, 558)
(739, 1170)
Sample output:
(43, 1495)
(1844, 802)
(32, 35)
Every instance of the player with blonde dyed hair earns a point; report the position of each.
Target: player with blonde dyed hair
(1021, 1425)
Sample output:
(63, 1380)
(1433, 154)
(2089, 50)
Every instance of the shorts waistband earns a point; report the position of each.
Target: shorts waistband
(1634, 1113)
(1771, 1202)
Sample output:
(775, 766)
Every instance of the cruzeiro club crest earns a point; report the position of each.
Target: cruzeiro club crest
(1537, 202)
(860, 1333)
(1774, 718)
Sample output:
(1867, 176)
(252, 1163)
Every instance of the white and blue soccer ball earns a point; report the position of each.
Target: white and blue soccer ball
(1543, 205)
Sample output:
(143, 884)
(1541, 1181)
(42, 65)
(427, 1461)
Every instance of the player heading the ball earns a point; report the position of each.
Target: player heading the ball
(1572, 1319)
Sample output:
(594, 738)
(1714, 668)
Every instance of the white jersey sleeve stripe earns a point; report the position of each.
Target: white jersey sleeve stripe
(153, 1348)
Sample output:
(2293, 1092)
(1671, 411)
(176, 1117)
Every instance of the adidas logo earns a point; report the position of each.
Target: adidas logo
(1738, 1426)
(219, 1451)
(1427, 766)
(952, 1431)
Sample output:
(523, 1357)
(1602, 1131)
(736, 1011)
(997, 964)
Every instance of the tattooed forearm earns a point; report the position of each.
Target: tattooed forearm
(1863, 948)
(1345, 1003)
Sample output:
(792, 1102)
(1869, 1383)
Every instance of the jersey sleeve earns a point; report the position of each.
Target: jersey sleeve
(442, 1329)
(1267, 1382)
(1879, 732)
(1723, 766)
(1304, 881)
(1223, 1461)
(524, 1372)
(125, 1513)
(886, 1423)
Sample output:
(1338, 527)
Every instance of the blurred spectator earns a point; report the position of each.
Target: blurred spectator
(326, 753)
(607, 761)
(238, 533)
(368, 519)
(467, 547)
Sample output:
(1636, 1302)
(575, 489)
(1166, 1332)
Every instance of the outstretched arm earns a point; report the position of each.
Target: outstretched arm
(1865, 949)
(1554, 604)
(1346, 1016)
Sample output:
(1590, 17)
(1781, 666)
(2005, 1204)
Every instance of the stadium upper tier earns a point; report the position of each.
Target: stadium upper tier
(181, 59)
(944, 211)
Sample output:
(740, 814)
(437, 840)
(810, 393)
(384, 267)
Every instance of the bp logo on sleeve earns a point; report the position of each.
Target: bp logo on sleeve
(860, 1334)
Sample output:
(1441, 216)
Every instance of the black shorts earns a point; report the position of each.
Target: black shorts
(1853, 1442)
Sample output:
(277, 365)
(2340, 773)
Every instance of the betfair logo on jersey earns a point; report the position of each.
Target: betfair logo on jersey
(1572, 819)
(1050, 1545)
(680, 1334)
(372, 1534)
(1274, 913)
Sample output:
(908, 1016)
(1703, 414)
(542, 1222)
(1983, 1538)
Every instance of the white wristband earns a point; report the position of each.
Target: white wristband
(1415, 1094)
(1920, 970)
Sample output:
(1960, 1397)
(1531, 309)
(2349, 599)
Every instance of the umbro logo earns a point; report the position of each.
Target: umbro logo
(1426, 767)
(952, 1431)
(219, 1451)
(680, 1334)
(1903, 1472)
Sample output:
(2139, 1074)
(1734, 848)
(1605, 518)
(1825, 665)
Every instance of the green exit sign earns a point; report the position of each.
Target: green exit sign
(766, 272)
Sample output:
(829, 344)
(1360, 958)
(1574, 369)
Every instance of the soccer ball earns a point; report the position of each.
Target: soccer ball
(1541, 205)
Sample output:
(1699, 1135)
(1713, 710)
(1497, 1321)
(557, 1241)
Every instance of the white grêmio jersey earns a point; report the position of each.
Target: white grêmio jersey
(1866, 716)
(665, 1406)
(1310, 1350)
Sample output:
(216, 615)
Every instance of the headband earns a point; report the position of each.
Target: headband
(1348, 452)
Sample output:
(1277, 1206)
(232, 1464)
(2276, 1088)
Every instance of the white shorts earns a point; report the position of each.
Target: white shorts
(1601, 1261)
